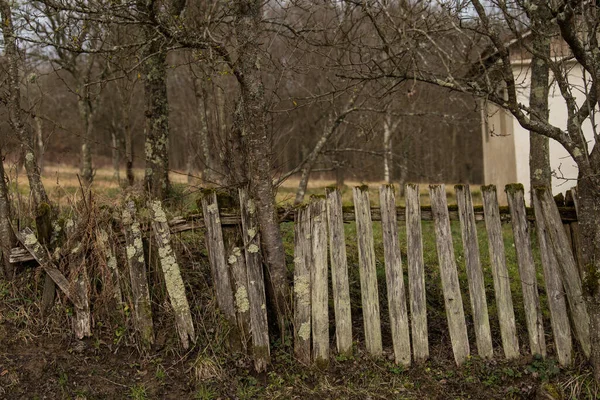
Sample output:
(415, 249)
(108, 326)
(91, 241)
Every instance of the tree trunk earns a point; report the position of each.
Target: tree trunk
(39, 133)
(86, 113)
(387, 148)
(203, 130)
(256, 144)
(539, 153)
(116, 155)
(8, 239)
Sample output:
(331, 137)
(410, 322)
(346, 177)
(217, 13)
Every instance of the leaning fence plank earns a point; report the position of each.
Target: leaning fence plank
(339, 272)
(137, 273)
(450, 285)
(570, 274)
(172, 273)
(394, 276)
(302, 292)
(554, 289)
(416, 275)
(504, 304)
(256, 283)
(29, 240)
(520, 228)
(481, 320)
(368, 273)
(218, 262)
(106, 246)
(319, 283)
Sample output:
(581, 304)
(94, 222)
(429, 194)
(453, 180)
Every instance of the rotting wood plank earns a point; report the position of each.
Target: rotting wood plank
(302, 289)
(416, 275)
(137, 273)
(554, 290)
(172, 274)
(527, 273)
(570, 273)
(368, 273)
(106, 246)
(449, 274)
(481, 320)
(219, 265)
(504, 303)
(319, 283)
(339, 272)
(394, 276)
(256, 284)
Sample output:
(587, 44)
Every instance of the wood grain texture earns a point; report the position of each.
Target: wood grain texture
(302, 285)
(319, 283)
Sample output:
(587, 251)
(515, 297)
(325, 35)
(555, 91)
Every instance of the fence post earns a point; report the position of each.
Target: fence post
(368, 273)
(416, 275)
(450, 285)
(302, 289)
(468, 230)
(111, 261)
(137, 272)
(520, 228)
(256, 283)
(394, 276)
(339, 272)
(506, 313)
(319, 283)
(570, 273)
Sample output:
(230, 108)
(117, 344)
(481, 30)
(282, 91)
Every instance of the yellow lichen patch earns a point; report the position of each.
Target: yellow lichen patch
(241, 300)
(304, 331)
(253, 248)
(159, 214)
(302, 289)
(138, 244)
(232, 259)
(130, 252)
(30, 239)
(237, 251)
(251, 207)
(112, 262)
(212, 208)
(251, 233)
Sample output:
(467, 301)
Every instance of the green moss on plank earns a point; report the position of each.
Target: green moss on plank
(513, 188)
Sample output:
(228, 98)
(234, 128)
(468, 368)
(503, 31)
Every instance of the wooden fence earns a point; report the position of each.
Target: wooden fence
(320, 250)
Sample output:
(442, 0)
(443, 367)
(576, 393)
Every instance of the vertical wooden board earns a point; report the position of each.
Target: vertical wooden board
(483, 335)
(416, 275)
(449, 274)
(568, 267)
(256, 283)
(111, 261)
(554, 289)
(172, 274)
(339, 272)
(394, 276)
(504, 304)
(576, 247)
(217, 257)
(302, 289)
(137, 273)
(527, 273)
(368, 273)
(319, 283)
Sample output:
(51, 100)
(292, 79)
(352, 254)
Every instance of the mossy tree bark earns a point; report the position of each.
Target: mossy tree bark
(7, 235)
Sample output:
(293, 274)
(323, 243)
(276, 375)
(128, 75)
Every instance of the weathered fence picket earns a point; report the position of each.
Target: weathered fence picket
(452, 297)
(302, 292)
(527, 274)
(339, 272)
(172, 273)
(368, 273)
(483, 335)
(394, 276)
(106, 245)
(256, 284)
(504, 304)
(554, 288)
(571, 278)
(416, 275)
(319, 283)
(137, 272)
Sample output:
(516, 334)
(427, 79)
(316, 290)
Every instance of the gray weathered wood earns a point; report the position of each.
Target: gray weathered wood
(137, 272)
(339, 272)
(527, 273)
(416, 275)
(302, 290)
(106, 246)
(256, 284)
(554, 290)
(218, 262)
(570, 273)
(481, 320)
(172, 273)
(504, 304)
(319, 283)
(40, 254)
(450, 285)
(394, 276)
(368, 273)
